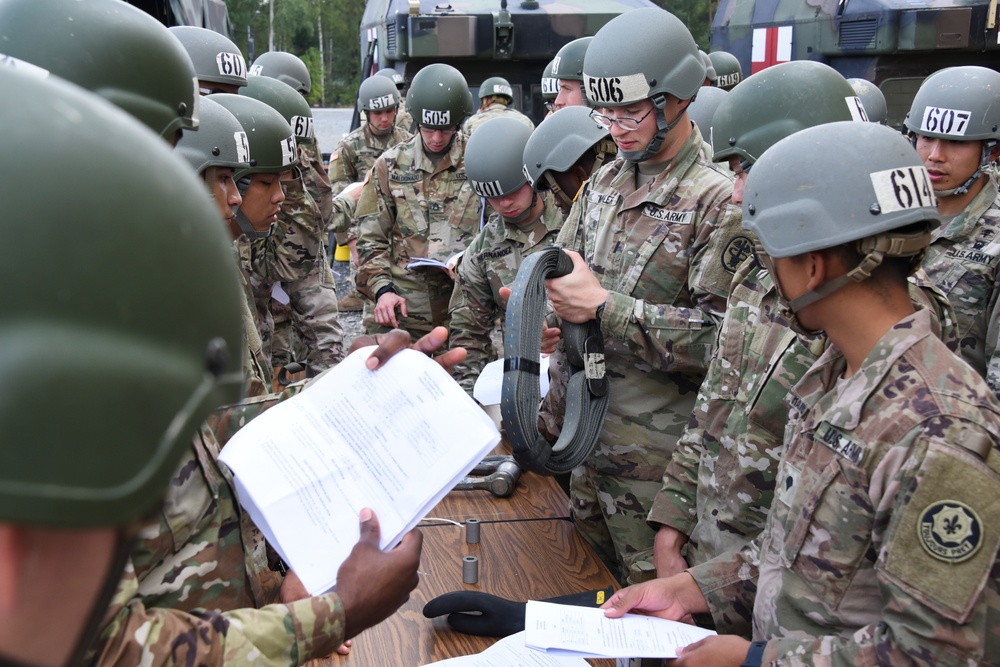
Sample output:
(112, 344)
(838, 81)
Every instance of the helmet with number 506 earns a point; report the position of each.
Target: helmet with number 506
(439, 97)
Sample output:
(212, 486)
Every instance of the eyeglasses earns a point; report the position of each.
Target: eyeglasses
(627, 124)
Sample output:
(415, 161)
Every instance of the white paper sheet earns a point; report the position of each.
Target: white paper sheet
(510, 651)
(489, 384)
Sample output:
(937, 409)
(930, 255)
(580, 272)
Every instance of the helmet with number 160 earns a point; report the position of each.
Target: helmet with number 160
(439, 97)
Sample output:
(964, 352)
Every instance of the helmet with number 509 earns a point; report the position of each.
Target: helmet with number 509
(439, 97)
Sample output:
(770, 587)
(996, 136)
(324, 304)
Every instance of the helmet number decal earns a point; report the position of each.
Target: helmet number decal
(287, 151)
(527, 175)
(555, 67)
(550, 86)
(902, 189)
(242, 147)
(945, 121)
(436, 118)
(256, 70)
(303, 126)
(728, 80)
(23, 66)
(384, 102)
(503, 90)
(857, 109)
(616, 89)
(231, 64)
(488, 189)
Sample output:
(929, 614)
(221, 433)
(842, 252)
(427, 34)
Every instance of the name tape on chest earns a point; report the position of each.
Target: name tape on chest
(550, 86)
(902, 189)
(857, 109)
(606, 199)
(488, 189)
(841, 443)
(384, 102)
(231, 64)
(953, 122)
(242, 147)
(616, 89)
(303, 126)
(400, 177)
(436, 117)
(666, 215)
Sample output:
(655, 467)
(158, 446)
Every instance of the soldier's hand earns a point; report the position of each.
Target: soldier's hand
(550, 338)
(672, 598)
(373, 584)
(397, 339)
(720, 651)
(576, 296)
(667, 552)
(385, 309)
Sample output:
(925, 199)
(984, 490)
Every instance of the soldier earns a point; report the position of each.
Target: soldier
(550, 87)
(306, 325)
(728, 71)
(651, 230)
(878, 547)
(872, 99)
(286, 67)
(495, 98)
(403, 118)
(379, 100)
(417, 202)
(954, 124)
(567, 69)
(218, 63)
(522, 224)
(101, 341)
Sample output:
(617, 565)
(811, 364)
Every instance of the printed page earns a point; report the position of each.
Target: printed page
(585, 631)
(396, 440)
(489, 385)
(509, 651)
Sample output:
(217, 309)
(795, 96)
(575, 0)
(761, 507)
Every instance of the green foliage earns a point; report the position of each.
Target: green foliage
(696, 15)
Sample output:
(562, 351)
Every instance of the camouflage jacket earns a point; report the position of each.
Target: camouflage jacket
(257, 367)
(666, 252)
(964, 261)
(408, 209)
(719, 484)
(878, 548)
(489, 263)
(495, 110)
(197, 589)
(314, 176)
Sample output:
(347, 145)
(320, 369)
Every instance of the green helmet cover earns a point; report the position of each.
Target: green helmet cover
(872, 99)
(746, 123)
(272, 143)
(133, 332)
(285, 67)
(961, 103)
(568, 63)
(393, 75)
(709, 67)
(639, 55)
(869, 181)
(494, 157)
(496, 85)
(219, 142)
(216, 58)
(286, 101)
(702, 109)
(439, 97)
(550, 84)
(378, 93)
(728, 71)
(558, 142)
(85, 42)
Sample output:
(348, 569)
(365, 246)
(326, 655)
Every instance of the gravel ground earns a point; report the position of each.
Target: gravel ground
(350, 320)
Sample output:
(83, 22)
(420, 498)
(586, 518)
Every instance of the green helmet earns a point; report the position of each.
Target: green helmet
(377, 93)
(216, 59)
(961, 103)
(286, 101)
(872, 99)
(868, 182)
(745, 123)
(493, 157)
(728, 71)
(219, 142)
(272, 143)
(702, 109)
(393, 75)
(550, 84)
(709, 67)
(559, 142)
(496, 86)
(568, 63)
(285, 67)
(439, 97)
(84, 42)
(115, 363)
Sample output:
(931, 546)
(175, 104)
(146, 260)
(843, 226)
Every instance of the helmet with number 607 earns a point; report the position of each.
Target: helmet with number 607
(286, 101)
(439, 97)
(960, 103)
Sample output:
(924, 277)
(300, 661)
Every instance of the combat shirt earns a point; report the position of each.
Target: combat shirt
(489, 263)
(495, 110)
(883, 534)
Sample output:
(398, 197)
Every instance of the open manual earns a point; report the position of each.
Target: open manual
(565, 630)
(396, 440)
(448, 264)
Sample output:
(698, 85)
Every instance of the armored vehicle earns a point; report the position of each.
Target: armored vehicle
(893, 43)
(210, 14)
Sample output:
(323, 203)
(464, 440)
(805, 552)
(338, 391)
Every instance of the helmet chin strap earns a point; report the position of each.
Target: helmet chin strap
(662, 127)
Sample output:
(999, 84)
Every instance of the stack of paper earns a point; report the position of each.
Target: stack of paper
(396, 440)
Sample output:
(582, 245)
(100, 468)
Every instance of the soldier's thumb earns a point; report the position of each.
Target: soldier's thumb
(370, 531)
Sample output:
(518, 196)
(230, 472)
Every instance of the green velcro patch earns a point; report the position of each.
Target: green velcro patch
(944, 544)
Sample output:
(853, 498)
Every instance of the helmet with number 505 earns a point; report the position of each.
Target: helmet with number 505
(439, 97)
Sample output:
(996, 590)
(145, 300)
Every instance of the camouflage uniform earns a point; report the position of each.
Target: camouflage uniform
(719, 484)
(256, 357)
(489, 263)
(666, 252)
(881, 545)
(198, 590)
(409, 208)
(964, 261)
(495, 110)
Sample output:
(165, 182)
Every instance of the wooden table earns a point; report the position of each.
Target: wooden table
(528, 550)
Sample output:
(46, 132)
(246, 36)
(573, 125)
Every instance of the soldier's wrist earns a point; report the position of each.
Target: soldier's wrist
(384, 289)
(754, 655)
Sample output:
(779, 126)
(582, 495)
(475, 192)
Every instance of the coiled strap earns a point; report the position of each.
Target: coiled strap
(587, 391)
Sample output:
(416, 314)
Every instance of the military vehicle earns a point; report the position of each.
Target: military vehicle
(210, 14)
(481, 38)
(893, 43)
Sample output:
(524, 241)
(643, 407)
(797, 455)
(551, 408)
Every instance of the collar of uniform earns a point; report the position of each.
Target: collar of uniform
(963, 225)
(550, 217)
(450, 160)
(844, 409)
(661, 189)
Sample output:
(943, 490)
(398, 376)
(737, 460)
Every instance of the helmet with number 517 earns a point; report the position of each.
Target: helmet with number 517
(439, 97)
